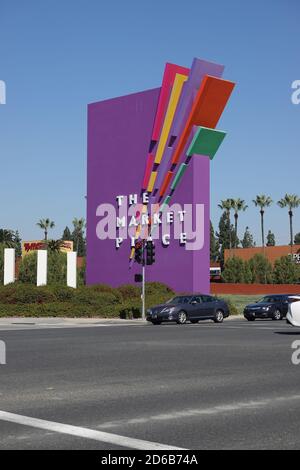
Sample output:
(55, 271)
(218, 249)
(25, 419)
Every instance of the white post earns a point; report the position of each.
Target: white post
(9, 265)
(41, 277)
(72, 269)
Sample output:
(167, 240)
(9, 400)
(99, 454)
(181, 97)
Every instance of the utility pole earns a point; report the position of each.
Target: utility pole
(143, 282)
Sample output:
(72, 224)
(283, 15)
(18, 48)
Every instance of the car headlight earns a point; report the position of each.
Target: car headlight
(266, 308)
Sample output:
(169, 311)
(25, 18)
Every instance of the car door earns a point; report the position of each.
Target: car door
(284, 305)
(194, 307)
(209, 305)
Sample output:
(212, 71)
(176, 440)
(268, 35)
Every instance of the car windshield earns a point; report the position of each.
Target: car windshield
(267, 299)
(179, 300)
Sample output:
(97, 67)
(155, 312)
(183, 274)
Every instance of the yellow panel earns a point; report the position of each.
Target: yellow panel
(132, 253)
(152, 181)
(174, 98)
(138, 231)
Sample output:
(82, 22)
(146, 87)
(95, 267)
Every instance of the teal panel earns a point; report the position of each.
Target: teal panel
(164, 204)
(179, 175)
(206, 142)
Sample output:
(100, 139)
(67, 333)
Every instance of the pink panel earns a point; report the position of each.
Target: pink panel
(168, 80)
(149, 165)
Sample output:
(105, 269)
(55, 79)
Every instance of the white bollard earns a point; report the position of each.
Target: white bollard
(9, 265)
(72, 269)
(41, 277)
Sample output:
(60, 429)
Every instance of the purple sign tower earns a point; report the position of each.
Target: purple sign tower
(154, 148)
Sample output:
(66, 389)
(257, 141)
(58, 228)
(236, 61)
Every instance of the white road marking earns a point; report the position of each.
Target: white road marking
(198, 412)
(85, 433)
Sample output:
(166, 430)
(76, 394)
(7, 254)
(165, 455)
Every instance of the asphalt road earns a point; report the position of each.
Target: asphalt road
(203, 386)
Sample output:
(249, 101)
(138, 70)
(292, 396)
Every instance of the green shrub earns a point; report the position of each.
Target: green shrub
(88, 296)
(1, 263)
(158, 288)
(25, 294)
(232, 307)
(81, 273)
(261, 269)
(56, 268)
(28, 268)
(128, 291)
(286, 271)
(62, 293)
(234, 270)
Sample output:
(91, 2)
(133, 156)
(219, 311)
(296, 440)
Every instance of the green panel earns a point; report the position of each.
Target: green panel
(166, 201)
(206, 142)
(179, 175)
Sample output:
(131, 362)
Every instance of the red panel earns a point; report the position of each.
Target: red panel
(207, 109)
(166, 183)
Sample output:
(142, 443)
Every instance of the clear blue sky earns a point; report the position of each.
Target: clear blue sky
(56, 56)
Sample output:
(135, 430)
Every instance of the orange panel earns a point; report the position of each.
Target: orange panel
(208, 106)
(166, 183)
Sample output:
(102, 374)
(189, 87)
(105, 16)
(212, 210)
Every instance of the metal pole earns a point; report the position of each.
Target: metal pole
(143, 293)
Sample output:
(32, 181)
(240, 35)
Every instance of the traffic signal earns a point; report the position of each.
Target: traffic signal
(138, 278)
(138, 255)
(150, 250)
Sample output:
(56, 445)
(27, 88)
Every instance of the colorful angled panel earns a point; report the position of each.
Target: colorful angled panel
(208, 106)
(175, 95)
(188, 98)
(206, 142)
(149, 165)
(152, 181)
(168, 79)
(178, 176)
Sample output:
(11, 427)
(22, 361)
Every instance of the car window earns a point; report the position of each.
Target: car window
(179, 300)
(267, 299)
(196, 299)
(207, 298)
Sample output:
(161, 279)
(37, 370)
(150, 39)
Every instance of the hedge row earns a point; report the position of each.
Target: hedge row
(86, 301)
(259, 270)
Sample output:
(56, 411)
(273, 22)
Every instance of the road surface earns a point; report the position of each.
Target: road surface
(203, 386)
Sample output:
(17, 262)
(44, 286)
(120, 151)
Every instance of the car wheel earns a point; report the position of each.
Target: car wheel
(156, 322)
(219, 317)
(251, 318)
(194, 321)
(182, 318)
(277, 315)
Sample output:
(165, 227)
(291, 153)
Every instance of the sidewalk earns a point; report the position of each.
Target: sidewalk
(11, 323)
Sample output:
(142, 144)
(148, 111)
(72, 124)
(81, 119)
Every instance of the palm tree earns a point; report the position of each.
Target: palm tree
(7, 237)
(79, 226)
(291, 201)
(262, 201)
(226, 205)
(237, 205)
(45, 224)
(54, 246)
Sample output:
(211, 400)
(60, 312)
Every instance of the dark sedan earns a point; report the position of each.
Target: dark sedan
(270, 306)
(191, 308)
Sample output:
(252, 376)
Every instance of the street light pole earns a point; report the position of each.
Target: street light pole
(143, 284)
